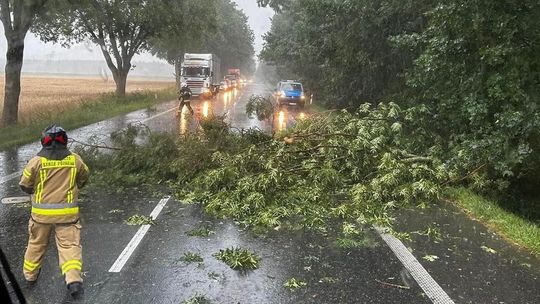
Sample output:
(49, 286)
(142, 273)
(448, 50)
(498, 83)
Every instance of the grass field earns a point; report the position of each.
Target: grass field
(42, 94)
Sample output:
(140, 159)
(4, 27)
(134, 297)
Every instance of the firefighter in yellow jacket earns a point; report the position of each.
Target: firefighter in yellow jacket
(54, 178)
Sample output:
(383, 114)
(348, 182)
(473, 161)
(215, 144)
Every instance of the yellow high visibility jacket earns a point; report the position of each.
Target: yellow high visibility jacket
(56, 186)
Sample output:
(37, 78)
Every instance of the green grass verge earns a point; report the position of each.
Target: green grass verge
(514, 228)
(90, 111)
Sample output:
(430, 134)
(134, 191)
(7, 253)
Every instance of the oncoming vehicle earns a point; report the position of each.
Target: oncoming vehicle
(233, 81)
(223, 86)
(238, 76)
(290, 92)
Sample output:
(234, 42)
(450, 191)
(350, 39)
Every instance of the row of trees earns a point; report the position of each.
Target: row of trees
(122, 29)
(473, 65)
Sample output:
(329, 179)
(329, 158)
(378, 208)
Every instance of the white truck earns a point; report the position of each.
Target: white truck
(201, 73)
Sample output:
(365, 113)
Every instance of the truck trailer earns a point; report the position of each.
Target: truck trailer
(201, 73)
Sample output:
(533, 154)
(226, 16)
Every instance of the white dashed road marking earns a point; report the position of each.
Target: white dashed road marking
(137, 238)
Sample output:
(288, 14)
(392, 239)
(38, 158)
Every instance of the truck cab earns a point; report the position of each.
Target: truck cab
(290, 92)
(232, 80)
(237, 76)
(201, 73)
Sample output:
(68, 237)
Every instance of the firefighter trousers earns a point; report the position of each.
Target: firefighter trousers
(186, 103)
(68, 243)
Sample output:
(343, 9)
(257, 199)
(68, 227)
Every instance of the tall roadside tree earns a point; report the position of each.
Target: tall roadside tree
(121, 28)
(233, 41)
(472, 64)
(208, 26)
(194, 22)
(17, 17)
(275, 4)
(479, 71)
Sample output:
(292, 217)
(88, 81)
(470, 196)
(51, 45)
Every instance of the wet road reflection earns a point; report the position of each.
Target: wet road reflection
(230, 104)
(287, 117)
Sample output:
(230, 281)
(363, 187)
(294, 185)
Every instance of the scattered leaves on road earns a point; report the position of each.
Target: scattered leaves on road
(433, 233)
(238, 258)
(197, 299)
(201, 232)
(430, 258)
(191, 257)
(137, 219)
(403, 236)
(294, 283)
(488, 250)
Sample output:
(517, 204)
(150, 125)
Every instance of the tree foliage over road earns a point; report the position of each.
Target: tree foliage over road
(346, 168)
(473, 65)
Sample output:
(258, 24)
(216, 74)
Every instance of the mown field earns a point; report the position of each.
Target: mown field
(42, 94)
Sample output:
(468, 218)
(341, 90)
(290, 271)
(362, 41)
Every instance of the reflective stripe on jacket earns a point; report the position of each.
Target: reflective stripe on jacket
(56, 187)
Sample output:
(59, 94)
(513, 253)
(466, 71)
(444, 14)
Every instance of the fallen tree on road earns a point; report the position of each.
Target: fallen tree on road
(354, 168)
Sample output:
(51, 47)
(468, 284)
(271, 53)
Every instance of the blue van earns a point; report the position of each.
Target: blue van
(290, 92)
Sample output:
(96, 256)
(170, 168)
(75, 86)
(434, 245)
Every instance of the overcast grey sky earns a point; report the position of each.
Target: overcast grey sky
(259, 19)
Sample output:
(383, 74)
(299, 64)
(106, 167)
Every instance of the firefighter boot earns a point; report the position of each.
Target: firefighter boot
(75, 290)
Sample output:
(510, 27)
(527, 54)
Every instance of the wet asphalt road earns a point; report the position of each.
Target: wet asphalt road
(155, 273)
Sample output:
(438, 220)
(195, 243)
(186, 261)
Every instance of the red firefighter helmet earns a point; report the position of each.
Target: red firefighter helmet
(54, 135)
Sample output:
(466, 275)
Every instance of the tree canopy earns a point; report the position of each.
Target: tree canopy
(194, 21)
(217, 27)
(233, 40)
(474, 65)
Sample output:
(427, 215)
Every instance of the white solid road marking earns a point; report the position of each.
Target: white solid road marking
(418, 272)
(157, 115)
(15, 175)
(137, 238)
